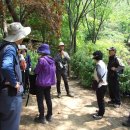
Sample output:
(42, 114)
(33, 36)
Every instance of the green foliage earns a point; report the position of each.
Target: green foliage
(34, 58)
(83, 65)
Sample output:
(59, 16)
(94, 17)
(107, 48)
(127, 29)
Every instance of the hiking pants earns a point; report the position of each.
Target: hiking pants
(63, 74)
(100, 93)
(41, 94)
(114, 90)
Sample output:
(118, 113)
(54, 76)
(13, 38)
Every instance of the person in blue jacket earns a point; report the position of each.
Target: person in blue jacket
(11, 87)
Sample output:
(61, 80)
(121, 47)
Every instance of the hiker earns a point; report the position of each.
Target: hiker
(28, 67)
(61, 60)
(45, 71)
(11, 87)
(115, 67)
(100, 76)
(22, 61)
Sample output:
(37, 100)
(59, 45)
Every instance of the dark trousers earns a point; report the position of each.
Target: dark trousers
(100, 93)
(10, 109)
(63, 74)
(114, 90)
(41, 94)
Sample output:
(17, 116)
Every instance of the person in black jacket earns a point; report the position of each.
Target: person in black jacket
(114, 68)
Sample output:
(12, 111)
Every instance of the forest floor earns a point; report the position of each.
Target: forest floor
(75, 113)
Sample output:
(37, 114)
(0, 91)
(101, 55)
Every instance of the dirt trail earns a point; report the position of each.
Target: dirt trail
(75, 113)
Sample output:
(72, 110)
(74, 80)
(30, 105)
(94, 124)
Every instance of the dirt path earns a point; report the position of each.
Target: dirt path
(75, 113)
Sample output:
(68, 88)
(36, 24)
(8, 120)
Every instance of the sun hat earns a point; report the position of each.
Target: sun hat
(61, 44)
(44, 49)
(97, 55)
(22, 47)
(111, 49)
(16, 32)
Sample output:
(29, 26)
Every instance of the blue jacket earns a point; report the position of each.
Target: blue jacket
(9, 65)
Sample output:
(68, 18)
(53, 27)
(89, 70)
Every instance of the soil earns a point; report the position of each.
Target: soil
(75, 113)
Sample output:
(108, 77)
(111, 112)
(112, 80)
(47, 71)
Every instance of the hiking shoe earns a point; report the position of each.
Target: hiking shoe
(126, 123)
(40, 120)
(59, 95)
(70, 95)
(49, 118)
(97, 117)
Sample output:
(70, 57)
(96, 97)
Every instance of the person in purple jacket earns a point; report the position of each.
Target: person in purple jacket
(45, 71)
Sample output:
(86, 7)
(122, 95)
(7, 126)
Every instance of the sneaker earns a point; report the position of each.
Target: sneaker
(126, 123)
(40, 120)
(116, 105)
(49, 118)
(70, 95)
(97, 117)
(59, 95)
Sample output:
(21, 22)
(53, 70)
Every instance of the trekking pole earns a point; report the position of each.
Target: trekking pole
(28, 94)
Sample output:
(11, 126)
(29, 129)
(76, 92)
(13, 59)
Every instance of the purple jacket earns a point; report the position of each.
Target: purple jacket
(45, 70)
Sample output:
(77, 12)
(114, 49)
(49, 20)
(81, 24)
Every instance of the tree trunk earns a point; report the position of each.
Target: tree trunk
(74, 41)
(12, 11)
(3, 21)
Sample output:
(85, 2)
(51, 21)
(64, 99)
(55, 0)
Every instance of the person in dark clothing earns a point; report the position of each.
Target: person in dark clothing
(100, 75)
(11, 87)
(61, 60)
(114, 68)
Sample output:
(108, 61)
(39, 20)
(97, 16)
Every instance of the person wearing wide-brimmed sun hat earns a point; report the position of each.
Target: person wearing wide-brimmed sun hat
(45, 71)
(11, 87)
(62, 58)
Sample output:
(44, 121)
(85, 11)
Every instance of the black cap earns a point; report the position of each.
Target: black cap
(111, 49)
(98, 55)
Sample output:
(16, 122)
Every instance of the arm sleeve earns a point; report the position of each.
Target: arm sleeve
(98, 69)
(39, 65)
(120, 65)
(67, 56)
(29, 60)
(8, 63)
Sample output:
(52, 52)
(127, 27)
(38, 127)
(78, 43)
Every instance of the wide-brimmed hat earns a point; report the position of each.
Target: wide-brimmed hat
(61, 44)
(44, 49)
(22, 47)
(16, 32)
(111, 49)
